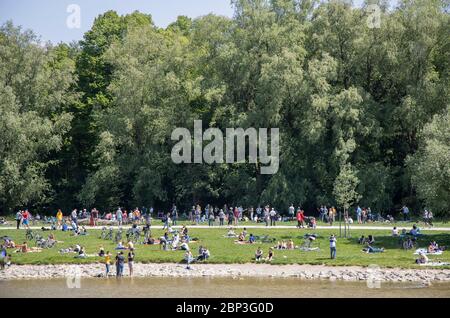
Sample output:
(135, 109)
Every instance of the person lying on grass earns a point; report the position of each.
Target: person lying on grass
(25, 249)
(371, 249)
(9, 243)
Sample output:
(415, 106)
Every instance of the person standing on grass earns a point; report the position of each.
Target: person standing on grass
(273, 217)
(300, 218)
(221, 217)
(211, 218)
(291, 212)
(174, 214)
(18, 219)
(74, 216)
(333, 246)
(131, 261)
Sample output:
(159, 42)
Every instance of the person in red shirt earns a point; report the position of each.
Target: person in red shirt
(300, 218)
(26, 219)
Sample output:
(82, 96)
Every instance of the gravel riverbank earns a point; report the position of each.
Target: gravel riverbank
(350, 273)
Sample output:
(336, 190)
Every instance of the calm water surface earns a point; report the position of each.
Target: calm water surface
(215, 287)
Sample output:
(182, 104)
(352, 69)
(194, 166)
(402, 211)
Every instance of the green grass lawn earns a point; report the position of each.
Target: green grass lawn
(224, 250)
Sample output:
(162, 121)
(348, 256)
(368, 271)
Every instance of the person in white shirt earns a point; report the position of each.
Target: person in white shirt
(395, 232)
(333, 246)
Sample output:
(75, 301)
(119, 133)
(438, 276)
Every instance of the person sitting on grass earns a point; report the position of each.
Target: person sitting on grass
(290, 245)
(362, 240)
(415, 231)
(130, 245)
(251, 239)
(423, 259)
(203, 254)
(434, 248)
(81, 253)
(231, 233)
(164, 241)
(9, 243)
(184, 246)
(120, 246)
(395, 232)
(259, 255)
(241, 237)
(244, 232)
(101, 253)
(184, 230)
(370, 240)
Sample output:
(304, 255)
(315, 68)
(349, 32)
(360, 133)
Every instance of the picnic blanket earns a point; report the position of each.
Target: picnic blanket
(425, 251)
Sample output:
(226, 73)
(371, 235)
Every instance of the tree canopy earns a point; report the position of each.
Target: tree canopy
(363, 111)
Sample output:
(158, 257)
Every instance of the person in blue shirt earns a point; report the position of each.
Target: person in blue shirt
(251, 239)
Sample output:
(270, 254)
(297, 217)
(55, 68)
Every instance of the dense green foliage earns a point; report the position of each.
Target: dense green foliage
(362, 112)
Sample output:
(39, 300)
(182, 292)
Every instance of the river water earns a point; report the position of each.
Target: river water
(214, 287)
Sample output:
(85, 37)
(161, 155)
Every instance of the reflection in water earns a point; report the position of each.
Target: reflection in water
(215, 287)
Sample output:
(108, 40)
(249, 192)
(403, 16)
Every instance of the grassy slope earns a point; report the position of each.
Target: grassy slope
(224, 250)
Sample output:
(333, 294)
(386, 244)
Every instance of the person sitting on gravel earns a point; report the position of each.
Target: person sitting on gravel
(258, 254)
(423, 259)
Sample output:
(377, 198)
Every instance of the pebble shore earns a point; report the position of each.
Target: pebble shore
(307, 272)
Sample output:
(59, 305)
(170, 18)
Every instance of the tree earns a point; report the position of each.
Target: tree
(345, 187)
(430, 165)
(34, 93)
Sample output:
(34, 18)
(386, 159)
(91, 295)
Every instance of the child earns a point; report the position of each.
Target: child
(270, 255)
(333, 246)
(259, 254)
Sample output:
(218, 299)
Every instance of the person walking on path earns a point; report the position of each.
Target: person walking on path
(19, 219)
(405, 212)
(26, 218)
(333, 246)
